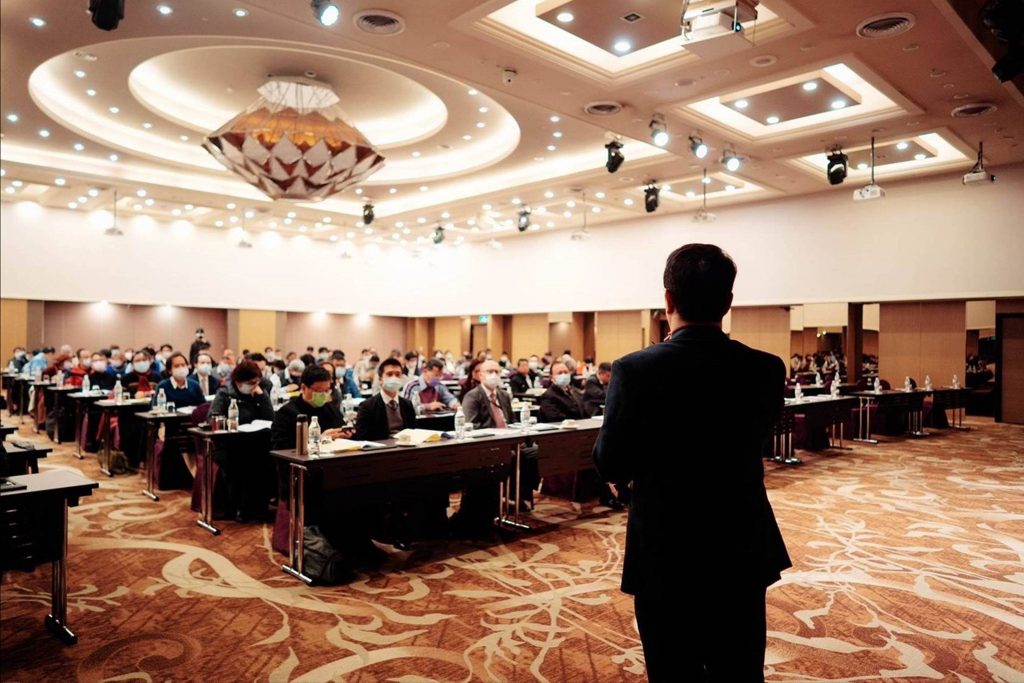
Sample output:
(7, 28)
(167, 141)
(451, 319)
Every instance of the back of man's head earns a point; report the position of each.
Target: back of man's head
(699, 278)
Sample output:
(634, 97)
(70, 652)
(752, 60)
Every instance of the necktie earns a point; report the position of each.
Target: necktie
(499, 416)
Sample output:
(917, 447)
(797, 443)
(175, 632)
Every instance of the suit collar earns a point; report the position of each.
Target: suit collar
(698, 332)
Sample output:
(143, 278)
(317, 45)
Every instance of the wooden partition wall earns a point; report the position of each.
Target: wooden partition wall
(922, 338)
(617, 333)
(763, 327)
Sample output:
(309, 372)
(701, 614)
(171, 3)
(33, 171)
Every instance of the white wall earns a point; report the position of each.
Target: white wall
(928, 239)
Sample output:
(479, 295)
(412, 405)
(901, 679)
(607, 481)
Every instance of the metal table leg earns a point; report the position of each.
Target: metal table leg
(151, 478)
(107, 446)
(864, 420)
(508, 500)
(296, 523)
(78, 431)
(206, 494)
(57, 620)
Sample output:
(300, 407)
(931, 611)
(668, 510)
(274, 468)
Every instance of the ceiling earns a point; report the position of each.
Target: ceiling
(87, 112)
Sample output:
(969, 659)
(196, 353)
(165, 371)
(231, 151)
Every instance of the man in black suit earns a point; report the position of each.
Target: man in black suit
(685, 421)
(524, 378)
(561, 401)
(595, 389)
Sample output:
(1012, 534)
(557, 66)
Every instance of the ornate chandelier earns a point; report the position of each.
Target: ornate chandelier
(294, 143)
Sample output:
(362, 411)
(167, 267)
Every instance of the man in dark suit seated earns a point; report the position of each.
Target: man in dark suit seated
(204, 375)
(685, 421)
(595, 388)
(523, 378)
(381, 417)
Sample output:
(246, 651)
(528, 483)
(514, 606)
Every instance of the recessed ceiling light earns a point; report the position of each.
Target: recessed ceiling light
(730, 188)
(113, 157)
(666, 188)
(59, 182)
(79, 73)
(567, 214)
(564, 17)
(549, 194)
(423, 188)
(183, 138)
(772, 119)
(368, 231)
(12, 117)
(82, 200)
(72, 205)
(473, 91)
(551, 148)
(250, 213)
(392, 190)
(241, 12)
(359, 190)
(480, 124)
(140, 193)
(690, 194)
(233, 219)
(38, 22)
(406, 231)
(219, 224)
(326, 219)
(599, 195)
(137, 207)
(706, 180)
(596, 209)
(421, 220)
(557, 134)
(400, 224)
(838, 104)
(550, 224)
(554, 118)
(189, 207)
(622, 46)
(486, 207)
(90, 92)
(810, 86)
(78, 146)
(467, 136)
(920, 156)
(628, 201)
(164, 9)
(415, 154)
(43, 133)
(291, 214)
(93, 192)
(334, 238)
(17, 183)
(149, 201)
(113, 110)
(147, 125)
(902, 145)
(483, 110)
(571, 204)
(287, 221)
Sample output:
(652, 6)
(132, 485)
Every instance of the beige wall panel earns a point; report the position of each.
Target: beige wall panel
(763, 327)
(448, 334)
(981, 315)
(13, 326)
(256, 329)
(350, 333)
(919, 339)
(616, 333)
(529, 335)
(1012, 372)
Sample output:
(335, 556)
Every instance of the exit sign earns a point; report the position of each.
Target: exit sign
(483, 319)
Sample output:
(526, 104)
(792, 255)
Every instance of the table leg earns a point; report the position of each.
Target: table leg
(791, 458)
(206, 491)
(108, 445)
(78, 431)
(57, 620)
(864, 420)
(507, 498)
(56, 416)
(296, 523)
(150, 490)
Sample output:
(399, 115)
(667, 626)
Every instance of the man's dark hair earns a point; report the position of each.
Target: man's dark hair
(337, 355)
(323, 349)
(389, 363)
(177, 354)
(166, 346)
(374, 358)
(314, 374)
(699, 278)
(257, 357)
(411, 355)
(521, 361)
(434, 364)
(604, 367)
(308, 359)
(245, 371)
(279, 364)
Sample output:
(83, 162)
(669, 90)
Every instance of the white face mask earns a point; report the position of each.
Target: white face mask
(491, 380)
(87, 363)
(533, 364)
(141, 366)
(204, 368)
(99, 366)
(179, 373)
(391, 384)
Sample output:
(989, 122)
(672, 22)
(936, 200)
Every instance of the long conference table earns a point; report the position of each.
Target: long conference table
(495, 451)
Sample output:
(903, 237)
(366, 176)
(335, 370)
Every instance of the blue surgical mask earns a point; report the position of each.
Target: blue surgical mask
(563, 380)
(141, 366)
(339, 372)
(391, 384)
(204, 368)
(223, 368)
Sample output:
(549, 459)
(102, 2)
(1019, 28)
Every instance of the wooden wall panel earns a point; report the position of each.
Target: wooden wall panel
(589, 343)
(1011, 371)
(13, 326)
(256, 330)
(922, 338)
(871, 342)
(1009, 306)
(577, 335)
(616, 333)
(763, 327)
(529, 335)
(448, 334)
(559, 338)
(496, 335)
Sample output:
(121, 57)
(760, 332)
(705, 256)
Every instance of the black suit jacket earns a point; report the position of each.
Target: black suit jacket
(477, 407)
(685, 421)
(372, 418)
(593, 395)
(557, 404)
(519, 383)
(214, 381)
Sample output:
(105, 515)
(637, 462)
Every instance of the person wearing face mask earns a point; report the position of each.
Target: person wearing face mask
(524, 378)
(432, 394)
(116, 366)
(504, 362)
(129, 356)
(245, 460)
(369, 375)
(41, 360)
(81, 367)
(322, 354)
(142, 380)
(198, 346)
(179, 388)
(160, 359)
(204, 374)
(343, 375)
(18, 359)
(412, 364)
(291, 378)
(99, 378)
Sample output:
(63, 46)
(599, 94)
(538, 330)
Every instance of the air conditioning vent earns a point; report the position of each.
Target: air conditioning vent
(603, 108)
(972, 110)
(632, 17)
(379, 22)
(886, 25)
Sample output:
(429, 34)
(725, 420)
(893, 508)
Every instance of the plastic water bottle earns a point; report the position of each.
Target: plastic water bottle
(878, 386)
(86, 384)
(906, 384)
(460, 424)
(161, 401)
(834, 389)
(233, 415)
(118, 393)
(798, 393)
(524, 416)
(928, 382)
(416, 403)
(956, 382)
(817, 379)
(314, 437)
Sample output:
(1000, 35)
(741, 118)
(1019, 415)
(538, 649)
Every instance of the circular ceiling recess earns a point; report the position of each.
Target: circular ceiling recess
(886, 25)
(379, 22)
(973, 110)
(602, 108)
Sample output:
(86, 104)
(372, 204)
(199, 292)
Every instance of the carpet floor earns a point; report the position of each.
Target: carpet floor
(909, 566)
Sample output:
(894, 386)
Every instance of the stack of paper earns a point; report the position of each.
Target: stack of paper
(417, 436)
(342, 445)
(255, 426)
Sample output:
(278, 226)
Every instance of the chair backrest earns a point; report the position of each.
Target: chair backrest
(200, 414)
(885, 384)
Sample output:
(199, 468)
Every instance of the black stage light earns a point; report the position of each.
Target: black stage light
(524, 219)
(367, 214)
(106, 14)
(837, 167)
(438, 235)
(326, 12)
(615, 157)
(697, 146)
(1005, 19)
(651, 193)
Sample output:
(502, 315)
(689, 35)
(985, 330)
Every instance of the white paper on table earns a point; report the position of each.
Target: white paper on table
(418, 436)
(186, 410)
(255, 426)
(342, 445)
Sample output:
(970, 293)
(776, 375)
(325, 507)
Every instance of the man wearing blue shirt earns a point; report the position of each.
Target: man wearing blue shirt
(41, 360)
(179, 389)
(433, 395)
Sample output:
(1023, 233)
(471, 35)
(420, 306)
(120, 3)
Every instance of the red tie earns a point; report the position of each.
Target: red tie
(499, 417)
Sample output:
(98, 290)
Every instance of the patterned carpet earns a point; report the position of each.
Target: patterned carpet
(909, 565)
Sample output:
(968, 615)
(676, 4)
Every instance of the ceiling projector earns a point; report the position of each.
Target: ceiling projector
(978, 176)
(872, 191)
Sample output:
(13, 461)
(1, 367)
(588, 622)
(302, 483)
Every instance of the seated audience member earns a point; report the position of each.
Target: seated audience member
(795, 363)
(412, 364)
(428, 389)
(524, 378)
(142, 379)
(99, 378)
(370, 375)
(161, 358)
(472, 379)
(118, 364)
(561, 402)
(291, 378)
(308, 359)
(595, 389)
(41, 360)
(343, 375)
(245, 460)
(81, 367)
(18, 359)
(179, 389)
(204, 375)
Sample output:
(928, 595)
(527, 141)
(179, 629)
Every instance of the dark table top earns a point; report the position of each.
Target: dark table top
(62, 483)
(127, 403)
(67, 388)
(163, 417)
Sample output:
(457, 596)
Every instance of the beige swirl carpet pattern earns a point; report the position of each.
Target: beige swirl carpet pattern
(909, 565)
